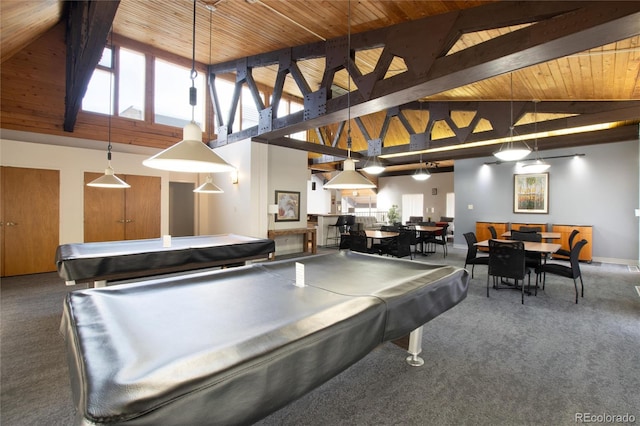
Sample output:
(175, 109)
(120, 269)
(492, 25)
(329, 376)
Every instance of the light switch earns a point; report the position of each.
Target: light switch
(470, 206)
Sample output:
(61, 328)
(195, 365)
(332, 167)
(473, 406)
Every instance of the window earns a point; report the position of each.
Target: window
(97, 98)
(295, 107)
(250, 114)
(224, 89)
(131, 84)
(171, 95)
(412, 205)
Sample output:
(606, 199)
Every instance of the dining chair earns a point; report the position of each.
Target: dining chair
(399, 246)
(530, 229)
(532, 260)
(358, 241)
(472, 253)
(507, 261)
(438, 238)
(565, 252)
(493, 232)
(339, 227)
(572, 271)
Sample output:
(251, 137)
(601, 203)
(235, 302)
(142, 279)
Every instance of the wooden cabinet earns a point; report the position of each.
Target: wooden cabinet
(586, 233)
(30, 223)
(482, 229)
(122, 214)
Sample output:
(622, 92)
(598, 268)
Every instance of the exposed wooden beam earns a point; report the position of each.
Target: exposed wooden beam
(558, 29)
(88, 26)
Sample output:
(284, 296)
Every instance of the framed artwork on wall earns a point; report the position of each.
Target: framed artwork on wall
(531, 193)
(288, 206)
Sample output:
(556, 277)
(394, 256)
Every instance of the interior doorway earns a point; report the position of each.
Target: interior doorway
(181, 209)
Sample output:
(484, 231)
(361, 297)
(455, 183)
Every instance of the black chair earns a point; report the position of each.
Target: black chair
(507, 260)
(493, 232)
(415, 219)
(438, 238)
(530, 229)
(349, 223)
(565, 252)
(572, 271)
(339, 227)
(399, 246)
(472, 253)
(532, 260)
(358, 241)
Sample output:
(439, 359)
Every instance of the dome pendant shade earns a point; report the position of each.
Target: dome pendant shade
(108, 180)
(189, 155)
(374, 167)
(538, 166)
(421, 174)
(512, 153)
(208, 187)
(348, 178)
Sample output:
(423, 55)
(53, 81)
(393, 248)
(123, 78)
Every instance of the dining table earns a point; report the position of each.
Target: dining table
(531, 246)
(425, 230)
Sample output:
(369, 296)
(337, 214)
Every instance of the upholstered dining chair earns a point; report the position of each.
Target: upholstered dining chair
(572, 271)
(492, 231)
(565, 252)
(507, 261)
(532, 260)
(472, 253)
(530, 229)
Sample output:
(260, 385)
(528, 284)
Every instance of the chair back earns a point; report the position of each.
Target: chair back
(342, 221)
(572, 237)
(526, 236)
(415, 219)
(359, 241)
(472, 249)
(530, 229)
(507, 259)
(403, 242)
(492, 230)
(574, 258)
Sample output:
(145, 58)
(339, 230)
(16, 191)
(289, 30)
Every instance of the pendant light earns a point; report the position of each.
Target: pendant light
(348, 178)
(510, 151)
(190, 154)
(109, 179)
(422, 173)
(538, 165)
(373, 166)
(208, 187)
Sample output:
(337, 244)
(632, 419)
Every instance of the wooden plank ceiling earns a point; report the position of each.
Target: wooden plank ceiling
(227, 30)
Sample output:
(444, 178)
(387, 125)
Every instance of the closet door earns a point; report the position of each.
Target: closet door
(112, 214)
(30, 220)
(142, 207)
(104, 216)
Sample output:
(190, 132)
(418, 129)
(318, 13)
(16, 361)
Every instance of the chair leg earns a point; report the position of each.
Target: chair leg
(472, 268)
(487, 285)
(575, 284)
(582, 285)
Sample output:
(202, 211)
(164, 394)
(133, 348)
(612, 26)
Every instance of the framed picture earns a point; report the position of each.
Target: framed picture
(288, 206)
(531, 193)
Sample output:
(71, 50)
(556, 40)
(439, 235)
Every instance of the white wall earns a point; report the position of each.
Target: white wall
(390, 190)
(72, 162)
(600, 189)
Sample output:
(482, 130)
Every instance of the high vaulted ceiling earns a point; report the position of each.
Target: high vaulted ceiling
(583, 68)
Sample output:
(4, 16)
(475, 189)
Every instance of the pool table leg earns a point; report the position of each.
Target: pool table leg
(415, 347)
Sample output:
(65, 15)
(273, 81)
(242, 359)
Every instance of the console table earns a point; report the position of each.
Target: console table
(309, 242)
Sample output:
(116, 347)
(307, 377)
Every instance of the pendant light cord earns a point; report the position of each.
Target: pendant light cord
(194, 73)
(110, 102)
(348, 81)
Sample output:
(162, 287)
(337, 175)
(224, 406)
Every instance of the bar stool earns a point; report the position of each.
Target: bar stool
(339, 227)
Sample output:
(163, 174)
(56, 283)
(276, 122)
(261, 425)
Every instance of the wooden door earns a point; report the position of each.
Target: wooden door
(30, 220)
(142, 207)
(104, 213)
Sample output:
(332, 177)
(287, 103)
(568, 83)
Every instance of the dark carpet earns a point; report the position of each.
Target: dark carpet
(488, 361)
